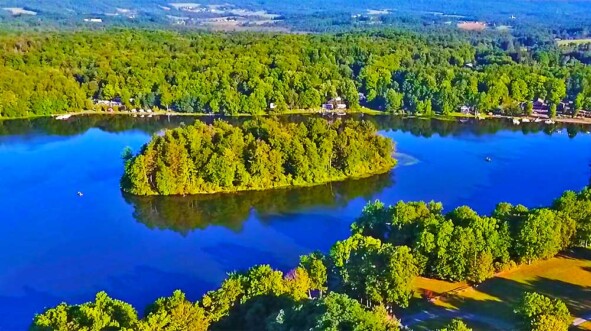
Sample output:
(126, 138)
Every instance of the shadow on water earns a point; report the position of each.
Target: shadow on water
(231, 210)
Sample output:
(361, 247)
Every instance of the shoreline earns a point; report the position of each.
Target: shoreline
(362, 111)
(280, 187)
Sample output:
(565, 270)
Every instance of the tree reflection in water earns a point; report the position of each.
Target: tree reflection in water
(231, 210)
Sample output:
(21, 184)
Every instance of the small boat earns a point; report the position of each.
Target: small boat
(80, 194)
(538, 120)
(63, 117)
(488, 159)
(464, 120)
(341, 113)
(516, 121)
(525, 120)
(549, 122)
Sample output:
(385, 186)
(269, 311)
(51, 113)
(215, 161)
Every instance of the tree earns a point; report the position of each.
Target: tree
(298, 283)
(314, 265)
(529, 108)
(577, 208)
(103, 313)
(538, 312)
(174, 313)
(333, 312)
(455, 325)
(539, 236)
(481, 267)
(552, 110)
(393, 100)
(556, 90)
(578, 104)
(374, 272)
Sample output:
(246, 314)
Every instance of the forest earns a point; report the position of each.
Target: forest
(261, 154)
(364, 279)
(263, 73)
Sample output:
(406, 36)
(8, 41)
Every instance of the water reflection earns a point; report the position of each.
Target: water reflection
(185, 214)
(417, 127)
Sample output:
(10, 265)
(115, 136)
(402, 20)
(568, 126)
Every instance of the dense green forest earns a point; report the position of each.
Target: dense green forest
(364, 278)
(235, 73)
(260, 154)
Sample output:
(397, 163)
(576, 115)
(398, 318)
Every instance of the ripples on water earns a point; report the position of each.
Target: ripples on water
(405, 160)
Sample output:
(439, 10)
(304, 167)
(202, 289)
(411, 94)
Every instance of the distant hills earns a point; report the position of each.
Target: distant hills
(236, 13)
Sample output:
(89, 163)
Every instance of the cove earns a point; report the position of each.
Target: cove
(58, 246)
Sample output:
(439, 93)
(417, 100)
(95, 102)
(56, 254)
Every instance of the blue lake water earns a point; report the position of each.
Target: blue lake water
(57, 246)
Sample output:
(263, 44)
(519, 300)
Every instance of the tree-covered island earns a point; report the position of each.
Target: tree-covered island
(260, 154)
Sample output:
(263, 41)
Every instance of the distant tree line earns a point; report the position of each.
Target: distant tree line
(362, 279)
(255, 73)
(260, 154)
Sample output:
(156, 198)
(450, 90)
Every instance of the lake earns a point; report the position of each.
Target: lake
(58, 246)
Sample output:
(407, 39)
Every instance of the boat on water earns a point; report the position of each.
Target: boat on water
(516, 121)
(488, 159)
(63, 117)
(538, 120)
(341, 113)
(525, 120)
(549, 122)
(464, 120)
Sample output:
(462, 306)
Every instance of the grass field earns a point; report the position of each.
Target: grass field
(573, 41)
(567, 277)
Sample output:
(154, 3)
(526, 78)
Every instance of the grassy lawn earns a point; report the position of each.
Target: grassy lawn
(567, 277)
(574, 41)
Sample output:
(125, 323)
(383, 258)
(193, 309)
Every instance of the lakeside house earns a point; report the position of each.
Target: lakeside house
(109, 103)
(335, 103)
(540, 106)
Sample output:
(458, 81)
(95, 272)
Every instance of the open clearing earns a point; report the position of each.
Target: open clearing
(472, 26)
(567, 277)
(15, 11)
(573, 41)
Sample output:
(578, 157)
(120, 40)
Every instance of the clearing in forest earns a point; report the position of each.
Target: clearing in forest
(566, 277)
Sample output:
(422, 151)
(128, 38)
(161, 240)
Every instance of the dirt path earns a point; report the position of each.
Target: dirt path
(498, 324)
(425, 315)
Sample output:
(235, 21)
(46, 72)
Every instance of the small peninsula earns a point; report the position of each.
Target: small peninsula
(260, 154)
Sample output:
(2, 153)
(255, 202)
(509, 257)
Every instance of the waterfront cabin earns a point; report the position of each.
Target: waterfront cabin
(334, 103)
